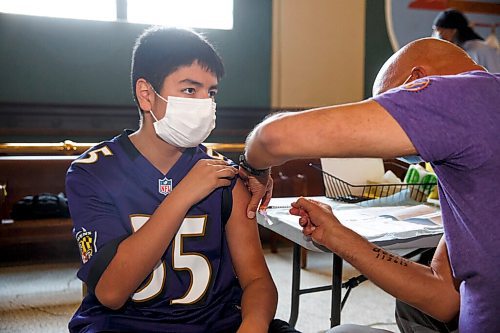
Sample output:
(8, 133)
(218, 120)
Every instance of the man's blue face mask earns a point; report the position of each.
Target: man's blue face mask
(411, 159)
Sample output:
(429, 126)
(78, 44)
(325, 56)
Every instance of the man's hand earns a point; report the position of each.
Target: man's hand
(316, 219)
(260, 188)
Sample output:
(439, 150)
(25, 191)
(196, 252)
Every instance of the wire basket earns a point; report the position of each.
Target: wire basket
(341, 190)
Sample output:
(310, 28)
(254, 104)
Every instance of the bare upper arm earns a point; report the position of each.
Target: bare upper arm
(441, 264)
(243, 239)
(363, 129)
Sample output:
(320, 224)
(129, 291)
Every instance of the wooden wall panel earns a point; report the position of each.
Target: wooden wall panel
(318, 52)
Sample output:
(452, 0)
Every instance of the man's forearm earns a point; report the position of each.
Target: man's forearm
(418, 285)
(363, 129)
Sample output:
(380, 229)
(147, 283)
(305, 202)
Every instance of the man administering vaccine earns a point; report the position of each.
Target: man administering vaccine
(430, 99)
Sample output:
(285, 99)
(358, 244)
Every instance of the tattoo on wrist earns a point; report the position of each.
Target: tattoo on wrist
(383, 255)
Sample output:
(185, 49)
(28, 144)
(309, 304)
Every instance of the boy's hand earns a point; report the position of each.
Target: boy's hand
(205, 176)
(260, 188)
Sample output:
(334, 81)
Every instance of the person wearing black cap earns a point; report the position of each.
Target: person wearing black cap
(453, 26)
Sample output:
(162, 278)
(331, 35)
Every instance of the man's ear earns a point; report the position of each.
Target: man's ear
(415, 74)
(145, 96)
(418, 72)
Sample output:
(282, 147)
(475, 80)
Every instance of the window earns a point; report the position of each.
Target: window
(100, 10)
(216, 14)
(211, 14)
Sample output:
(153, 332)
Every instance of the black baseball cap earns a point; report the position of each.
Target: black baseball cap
(453, 19)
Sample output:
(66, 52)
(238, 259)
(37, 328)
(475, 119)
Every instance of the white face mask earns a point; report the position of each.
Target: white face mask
(187, 121)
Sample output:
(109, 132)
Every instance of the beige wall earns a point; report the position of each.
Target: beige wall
(318, 52)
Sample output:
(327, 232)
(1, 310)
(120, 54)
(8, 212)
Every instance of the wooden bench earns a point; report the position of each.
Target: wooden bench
(34, 240)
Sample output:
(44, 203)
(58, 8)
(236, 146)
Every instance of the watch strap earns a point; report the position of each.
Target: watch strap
(255, 172)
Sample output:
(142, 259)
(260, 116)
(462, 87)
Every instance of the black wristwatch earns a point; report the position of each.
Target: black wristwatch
(254, 172)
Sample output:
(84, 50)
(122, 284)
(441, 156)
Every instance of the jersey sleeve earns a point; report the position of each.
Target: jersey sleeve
(439, 114)
(97, 227)
(227, 191)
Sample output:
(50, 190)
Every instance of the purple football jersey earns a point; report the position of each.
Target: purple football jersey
(112, 191)
(454, 123)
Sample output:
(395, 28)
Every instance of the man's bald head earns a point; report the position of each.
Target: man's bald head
(423, 57)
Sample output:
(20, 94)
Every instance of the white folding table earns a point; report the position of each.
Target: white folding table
(412, 236)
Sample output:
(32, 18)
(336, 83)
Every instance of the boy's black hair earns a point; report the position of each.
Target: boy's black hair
(160, 51)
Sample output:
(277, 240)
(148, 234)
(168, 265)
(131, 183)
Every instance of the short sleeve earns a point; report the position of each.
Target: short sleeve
(439, 114)
(96, 223)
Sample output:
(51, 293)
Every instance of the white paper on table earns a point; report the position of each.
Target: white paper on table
(373, 223)
(423, 214)
(355, 171)
(376, 222)
(418, 212)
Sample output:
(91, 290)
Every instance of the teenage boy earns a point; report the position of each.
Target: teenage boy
(163, 248)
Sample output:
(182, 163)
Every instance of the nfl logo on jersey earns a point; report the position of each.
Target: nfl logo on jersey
(164, 186)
